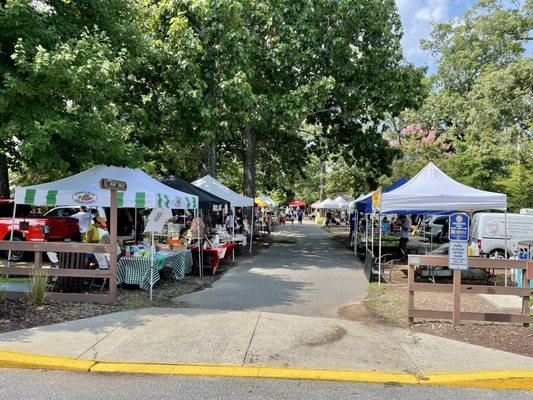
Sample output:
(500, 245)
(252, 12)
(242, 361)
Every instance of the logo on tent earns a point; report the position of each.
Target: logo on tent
(84, 197)
(179, 202)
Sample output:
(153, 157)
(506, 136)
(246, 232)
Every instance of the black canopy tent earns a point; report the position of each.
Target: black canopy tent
(206, 199)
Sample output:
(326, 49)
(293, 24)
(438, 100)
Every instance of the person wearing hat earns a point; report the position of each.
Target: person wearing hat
(94, 231)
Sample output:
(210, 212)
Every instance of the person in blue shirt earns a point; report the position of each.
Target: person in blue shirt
(385, 225)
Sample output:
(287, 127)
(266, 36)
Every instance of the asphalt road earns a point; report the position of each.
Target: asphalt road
(43, 385)
(303, 273)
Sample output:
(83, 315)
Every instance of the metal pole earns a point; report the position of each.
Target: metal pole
(379, 256)
(200, 267)
(12, 232)
(135, 232)
(252, 229)
(356, 229)
(372, 222)
(505, 242)
(152, 248)
(233, 232)
(366, 233)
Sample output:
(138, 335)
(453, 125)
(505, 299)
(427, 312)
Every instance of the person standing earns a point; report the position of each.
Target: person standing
(404, 234)
(300, 216)
(84, 218)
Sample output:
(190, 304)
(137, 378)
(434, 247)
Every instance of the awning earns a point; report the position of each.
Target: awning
(211, 185)
(207, 200)
(83, 189)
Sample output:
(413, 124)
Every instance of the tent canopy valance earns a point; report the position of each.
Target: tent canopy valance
(297, 203)
(83, 189)
(433, 190)
(211, 185)
(206, 199)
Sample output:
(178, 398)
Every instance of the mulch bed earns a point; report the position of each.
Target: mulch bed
(21, 314)
(388, 305)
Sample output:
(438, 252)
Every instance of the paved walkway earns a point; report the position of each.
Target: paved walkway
(279, 309)
(303, 273)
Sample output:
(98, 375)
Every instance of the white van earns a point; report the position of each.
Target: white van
(487, 232)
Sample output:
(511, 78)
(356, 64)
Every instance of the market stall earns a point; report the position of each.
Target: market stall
(430, 191)
(211, 185)
(83, 189)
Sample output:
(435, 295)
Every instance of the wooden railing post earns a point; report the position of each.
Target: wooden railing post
(37, 262)
(113, 246)
(456, 313)
(411, 296)
(525, 299)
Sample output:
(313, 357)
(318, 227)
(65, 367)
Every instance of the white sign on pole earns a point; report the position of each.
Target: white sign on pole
(458, 255)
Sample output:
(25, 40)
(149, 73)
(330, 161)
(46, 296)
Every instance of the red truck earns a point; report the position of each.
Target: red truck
(34, 228)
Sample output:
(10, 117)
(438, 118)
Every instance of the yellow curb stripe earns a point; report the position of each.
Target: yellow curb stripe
(506, 379)
(10, 359)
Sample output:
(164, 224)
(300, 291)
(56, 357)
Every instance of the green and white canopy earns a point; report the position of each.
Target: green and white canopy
(83, 189)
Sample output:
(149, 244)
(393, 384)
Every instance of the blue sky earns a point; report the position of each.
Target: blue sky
(417, 16)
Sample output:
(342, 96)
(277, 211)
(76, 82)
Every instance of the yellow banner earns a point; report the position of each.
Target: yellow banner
(376, 198)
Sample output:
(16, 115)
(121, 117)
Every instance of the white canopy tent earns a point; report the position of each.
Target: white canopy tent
(321, 205)
(431, 190)
(83, 189)
(211, 185)
(339, 203)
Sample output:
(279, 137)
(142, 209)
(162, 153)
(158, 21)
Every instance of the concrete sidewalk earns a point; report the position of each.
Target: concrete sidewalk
(249, 338)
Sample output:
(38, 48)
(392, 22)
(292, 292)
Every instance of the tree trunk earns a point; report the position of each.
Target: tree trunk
(4, 177)
(250, 143)
(207, 159)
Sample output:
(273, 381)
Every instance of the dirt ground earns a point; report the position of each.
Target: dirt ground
(387, 304)
(21, 314)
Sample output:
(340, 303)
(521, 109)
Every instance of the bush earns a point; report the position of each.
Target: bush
(37, 287)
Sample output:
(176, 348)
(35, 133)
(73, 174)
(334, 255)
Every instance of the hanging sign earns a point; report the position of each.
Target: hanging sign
(459, 227)
(376, 198)
(458, 255)
(112, 184)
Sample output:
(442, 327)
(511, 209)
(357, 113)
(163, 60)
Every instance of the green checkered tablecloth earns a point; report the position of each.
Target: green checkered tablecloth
(179, 263)
(136, 271)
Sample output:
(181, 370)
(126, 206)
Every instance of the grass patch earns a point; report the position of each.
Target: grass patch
(5, 280)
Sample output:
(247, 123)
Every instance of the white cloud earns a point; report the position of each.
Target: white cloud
(417, 16)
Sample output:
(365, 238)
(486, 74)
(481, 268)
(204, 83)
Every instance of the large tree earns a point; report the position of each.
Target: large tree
(64, 73)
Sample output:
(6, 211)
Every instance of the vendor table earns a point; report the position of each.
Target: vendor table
(136, 271)
(215, 254)
(179, 263)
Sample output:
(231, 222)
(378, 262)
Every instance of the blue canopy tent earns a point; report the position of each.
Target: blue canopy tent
(365, 205)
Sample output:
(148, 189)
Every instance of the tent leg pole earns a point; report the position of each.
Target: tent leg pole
(505, 253)
(372, 222)
(197, 216)
(152, 258)
(366, 233)
(252, 229)
(233, 232)
(379, 251)
(135, 226)
(356, 230)
(8, 263)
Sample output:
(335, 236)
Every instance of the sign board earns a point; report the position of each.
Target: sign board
(111, 184)
(414, 260)
(459, 227)
(458, 255)
(376, 198)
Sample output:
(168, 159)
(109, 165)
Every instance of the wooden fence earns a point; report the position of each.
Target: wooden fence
(61, 247)
(456, 315)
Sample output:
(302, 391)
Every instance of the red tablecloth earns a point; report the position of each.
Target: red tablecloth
(215, 254)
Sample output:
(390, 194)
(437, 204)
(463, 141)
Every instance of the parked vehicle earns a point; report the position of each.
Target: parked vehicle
(487, 232)
(432, 227)
(33, 228)
(125, 222)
